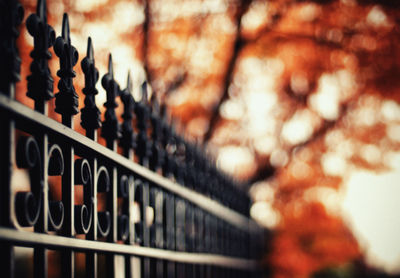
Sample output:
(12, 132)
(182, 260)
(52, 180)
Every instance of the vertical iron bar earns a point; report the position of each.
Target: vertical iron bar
(143, 150)
(111, 132)
(127, 142)
(170, 231)
(11, 14)
(67, 105)
(146, 230)
(112, 208)
(41, 254)
(7, 148)
(91, 257)
(129, 263)
(90, 116)
(41, 92)
(68, 193)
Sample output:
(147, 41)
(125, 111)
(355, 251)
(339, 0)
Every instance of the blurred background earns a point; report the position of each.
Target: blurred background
(297, 99)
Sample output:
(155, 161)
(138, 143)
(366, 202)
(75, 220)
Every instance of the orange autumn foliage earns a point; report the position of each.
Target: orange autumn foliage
(309, 240)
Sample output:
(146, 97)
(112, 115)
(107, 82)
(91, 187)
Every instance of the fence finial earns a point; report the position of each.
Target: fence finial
(11, 14)
(157, 152)
(90, 113)
(40, 82)
(111, 128)
(127, 141)
(67, 98)
(142, 111)
(166, 164)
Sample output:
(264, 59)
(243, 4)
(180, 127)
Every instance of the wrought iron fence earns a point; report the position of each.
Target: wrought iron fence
(171, 214)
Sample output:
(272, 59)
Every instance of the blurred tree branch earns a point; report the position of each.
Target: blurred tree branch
(237, 47)
(267, 170)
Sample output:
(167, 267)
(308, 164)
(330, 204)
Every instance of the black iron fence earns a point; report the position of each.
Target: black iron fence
(172, 214)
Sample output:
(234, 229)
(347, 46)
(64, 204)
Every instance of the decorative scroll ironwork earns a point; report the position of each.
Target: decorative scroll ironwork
(27, 204)
(40, 82)
(55, 168)
(104, 217)
(123, 219)
(84, 213)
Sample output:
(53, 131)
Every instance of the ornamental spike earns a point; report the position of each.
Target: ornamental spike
(110, 66)
(40, 82)
(65, 29)
(144, 92)
(90, 113)
(41, 9)
(157, 152)
(129, 83)
(111, 127)
(142, 111)
(89, 51)
(128, 139)
(11, 14)
(67, 98)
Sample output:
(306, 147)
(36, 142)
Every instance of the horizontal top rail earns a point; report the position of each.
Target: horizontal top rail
(38, 120)
(29, 239)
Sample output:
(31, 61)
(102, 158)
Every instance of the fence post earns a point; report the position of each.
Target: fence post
(128, 144)
(67, 106)
(90, 121)
(111, 131)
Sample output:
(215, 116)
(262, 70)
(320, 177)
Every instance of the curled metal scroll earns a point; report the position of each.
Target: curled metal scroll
(123, 219)
(28, 203)
(104, 218)
(84, 213)
(55, 168)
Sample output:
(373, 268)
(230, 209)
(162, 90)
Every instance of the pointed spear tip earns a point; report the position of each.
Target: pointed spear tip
(41, 9)
(129, 82)
(65, 27)
(110, 65)
(90, 49)
(155, 103)
(144, 91)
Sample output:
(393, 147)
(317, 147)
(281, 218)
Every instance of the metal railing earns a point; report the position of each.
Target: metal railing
(171, 214)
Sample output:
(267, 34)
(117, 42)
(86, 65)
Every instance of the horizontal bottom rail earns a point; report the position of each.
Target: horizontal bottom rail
(30, 239)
